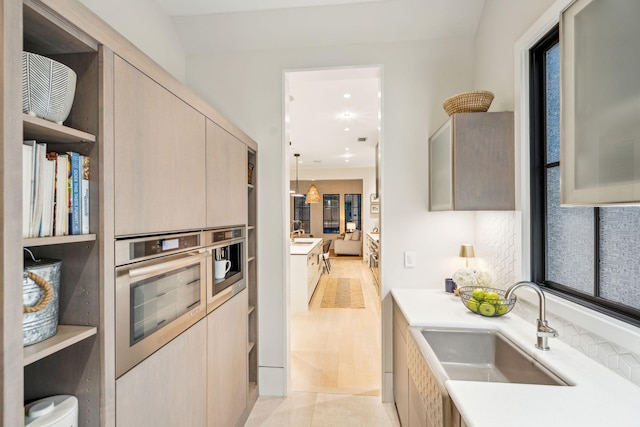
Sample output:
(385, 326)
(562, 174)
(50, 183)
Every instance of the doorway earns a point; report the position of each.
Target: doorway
(333, 122)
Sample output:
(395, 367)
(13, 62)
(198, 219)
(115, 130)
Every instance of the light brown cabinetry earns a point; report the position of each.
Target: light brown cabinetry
(169, 388)
(70, 361)
(417, 412)
(226, 178)
(227, 362)
(252, 278)
(159, 157)
(400, 369)
(471, 163)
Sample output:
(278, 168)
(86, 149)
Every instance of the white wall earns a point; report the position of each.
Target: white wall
(247, 88)
(145, 25)
(501, 24)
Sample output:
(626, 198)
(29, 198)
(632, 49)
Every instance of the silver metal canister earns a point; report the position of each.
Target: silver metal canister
(42, 322)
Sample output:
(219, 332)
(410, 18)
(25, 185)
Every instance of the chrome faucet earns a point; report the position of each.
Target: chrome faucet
(544, 331)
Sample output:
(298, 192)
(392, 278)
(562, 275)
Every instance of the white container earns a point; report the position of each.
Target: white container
(53, 411)
(48, 87)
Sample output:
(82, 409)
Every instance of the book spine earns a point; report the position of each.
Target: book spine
(28, 153)
(60, 220)
(84, 187)
(76, 222)
(38, 192)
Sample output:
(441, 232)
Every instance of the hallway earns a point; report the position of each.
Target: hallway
(335, 363)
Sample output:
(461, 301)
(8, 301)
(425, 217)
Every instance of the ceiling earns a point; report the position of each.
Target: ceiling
(326, 128)
(315, 119)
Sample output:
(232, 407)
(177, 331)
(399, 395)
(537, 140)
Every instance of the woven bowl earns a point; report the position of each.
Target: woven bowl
(486, 307)
(475, 101)
(48, 87)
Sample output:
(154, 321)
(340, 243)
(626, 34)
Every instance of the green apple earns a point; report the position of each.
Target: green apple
(501, 308)
(478, 294)
(492, 298)
(487, 309)
(472, 304)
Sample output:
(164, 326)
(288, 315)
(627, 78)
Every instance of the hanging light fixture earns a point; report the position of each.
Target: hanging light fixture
(313, 195)
(297, 193)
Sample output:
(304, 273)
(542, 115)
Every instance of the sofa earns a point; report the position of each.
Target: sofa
(350, 245)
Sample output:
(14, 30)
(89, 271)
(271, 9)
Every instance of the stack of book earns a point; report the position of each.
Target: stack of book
(55, 189)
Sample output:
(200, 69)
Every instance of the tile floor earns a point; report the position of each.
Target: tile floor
(336, 375)
(301, 409)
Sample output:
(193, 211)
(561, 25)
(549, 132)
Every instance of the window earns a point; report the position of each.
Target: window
(301, 214)
(588, 255)
(331, 213)
(352, 210)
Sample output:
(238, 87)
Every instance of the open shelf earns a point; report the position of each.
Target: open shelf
(251, 309)
(56, 240)
(250, 346)
(51, 132)
(67, 335)
(250, 259)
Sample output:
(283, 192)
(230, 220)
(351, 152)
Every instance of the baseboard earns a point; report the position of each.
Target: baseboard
(272, 381)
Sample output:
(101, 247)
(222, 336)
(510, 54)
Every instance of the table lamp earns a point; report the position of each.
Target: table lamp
(351, 227)
(466, 252)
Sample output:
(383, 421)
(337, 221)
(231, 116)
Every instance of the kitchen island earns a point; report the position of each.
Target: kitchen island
(306, 268)
(595, 396)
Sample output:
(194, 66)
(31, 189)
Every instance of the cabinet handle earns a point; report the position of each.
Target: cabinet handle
(165, 267)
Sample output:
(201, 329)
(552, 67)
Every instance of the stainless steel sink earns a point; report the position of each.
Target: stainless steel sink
(484, 355)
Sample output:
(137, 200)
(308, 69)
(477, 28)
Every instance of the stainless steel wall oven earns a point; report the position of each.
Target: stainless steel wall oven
(161, 286)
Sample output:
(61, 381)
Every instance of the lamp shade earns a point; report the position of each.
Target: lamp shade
(466, 251)
(313, 195)
(351, 226)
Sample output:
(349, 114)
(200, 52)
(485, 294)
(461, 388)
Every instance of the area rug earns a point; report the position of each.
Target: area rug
(343, 292)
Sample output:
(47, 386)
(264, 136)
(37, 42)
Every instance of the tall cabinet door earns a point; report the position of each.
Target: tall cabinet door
(169, 388)
(227, 362)
(159, 157)
(226, 178)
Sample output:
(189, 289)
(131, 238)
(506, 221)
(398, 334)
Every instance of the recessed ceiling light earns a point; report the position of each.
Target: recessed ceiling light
(347, 95)
(346, 148)
(347, 155)
(347, 115)
(346, 160)
(347, 129)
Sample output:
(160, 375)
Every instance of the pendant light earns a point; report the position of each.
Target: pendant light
(313, 195)
(297, 193)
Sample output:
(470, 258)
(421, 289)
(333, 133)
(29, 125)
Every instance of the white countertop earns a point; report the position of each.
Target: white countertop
(598, 397)
(304, 249)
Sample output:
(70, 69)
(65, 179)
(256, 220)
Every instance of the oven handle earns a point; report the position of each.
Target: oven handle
(165, 267)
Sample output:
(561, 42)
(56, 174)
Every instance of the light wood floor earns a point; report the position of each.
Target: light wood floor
(337, 350)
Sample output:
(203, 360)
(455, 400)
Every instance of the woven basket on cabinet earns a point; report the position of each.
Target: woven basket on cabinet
(475, 101)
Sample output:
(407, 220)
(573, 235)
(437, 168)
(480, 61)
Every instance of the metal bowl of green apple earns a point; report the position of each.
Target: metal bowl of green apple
(488, 302)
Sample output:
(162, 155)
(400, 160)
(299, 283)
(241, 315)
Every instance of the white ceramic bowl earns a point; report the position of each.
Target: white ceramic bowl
(48, 87)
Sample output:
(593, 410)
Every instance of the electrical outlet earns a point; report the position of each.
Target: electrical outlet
(409, 259)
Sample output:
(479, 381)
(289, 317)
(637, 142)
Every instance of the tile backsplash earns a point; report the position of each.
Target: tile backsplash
(497, 246)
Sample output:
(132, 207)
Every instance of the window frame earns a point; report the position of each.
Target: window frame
(346, 216)
(538, 185)
(324, 210)
(305, 209)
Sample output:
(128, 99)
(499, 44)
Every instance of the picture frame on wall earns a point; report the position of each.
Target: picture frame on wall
(375, 208)
(374, 198)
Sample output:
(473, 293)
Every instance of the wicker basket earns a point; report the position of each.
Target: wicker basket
(475, 101)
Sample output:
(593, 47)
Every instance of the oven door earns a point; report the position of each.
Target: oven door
(156, 301)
